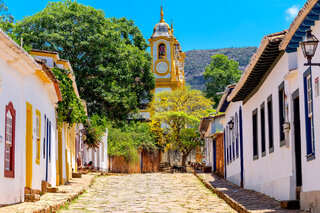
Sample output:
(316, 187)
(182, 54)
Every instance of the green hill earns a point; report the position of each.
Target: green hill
(197, 60)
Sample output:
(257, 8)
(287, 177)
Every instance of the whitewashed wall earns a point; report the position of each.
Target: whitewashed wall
(12, 189)
(36, 94)
(272, 174)
(310, 169)
(99, 156)
(208, 148)
(233, 169)
(20, 89)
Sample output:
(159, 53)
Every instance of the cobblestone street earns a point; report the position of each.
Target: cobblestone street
(148, 193)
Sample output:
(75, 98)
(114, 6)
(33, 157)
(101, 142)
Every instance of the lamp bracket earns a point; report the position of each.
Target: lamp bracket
(312, 64)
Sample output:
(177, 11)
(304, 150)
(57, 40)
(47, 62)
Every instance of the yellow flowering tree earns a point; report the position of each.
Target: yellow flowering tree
(179, 112)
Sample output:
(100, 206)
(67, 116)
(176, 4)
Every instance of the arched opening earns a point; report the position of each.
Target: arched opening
(162, 51)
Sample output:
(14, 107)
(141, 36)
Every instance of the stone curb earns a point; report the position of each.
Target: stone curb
(47, 206)
(236, 206)
(70, 199)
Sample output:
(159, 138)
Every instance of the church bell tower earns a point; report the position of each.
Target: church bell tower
(167, 57)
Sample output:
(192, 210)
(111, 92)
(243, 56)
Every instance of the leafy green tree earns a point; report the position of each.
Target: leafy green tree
(220, 73)
(190, 139)
(6, 19)
(180, 111)
(108, 55)
(127, 140)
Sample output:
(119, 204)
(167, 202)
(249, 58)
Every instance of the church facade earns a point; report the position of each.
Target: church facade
(167, 57)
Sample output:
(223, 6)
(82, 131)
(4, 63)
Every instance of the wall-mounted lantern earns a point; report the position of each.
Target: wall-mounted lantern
(309, 46)
(231, 124)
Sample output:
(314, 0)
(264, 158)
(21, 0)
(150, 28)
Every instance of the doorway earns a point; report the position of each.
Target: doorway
(48, 146)
(297, 142)
(29, 145)
(214, 155)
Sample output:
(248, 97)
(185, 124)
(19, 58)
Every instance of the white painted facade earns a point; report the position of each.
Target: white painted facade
(19, 85)
(232, 143)
(215, 126)
(36, 94)
(310, 192)
(98, 156)
(272, 174)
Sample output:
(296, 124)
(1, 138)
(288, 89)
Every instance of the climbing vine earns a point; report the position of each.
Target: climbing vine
(70, 110)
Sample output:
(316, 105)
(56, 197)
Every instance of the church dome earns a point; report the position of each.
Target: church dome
(162, 28)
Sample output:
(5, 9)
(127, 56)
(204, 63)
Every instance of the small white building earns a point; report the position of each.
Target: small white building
(98, 156)
(233, 144)
(266, 88)
(307, 99)
(28, 96)
(281, 130)
(208, 127)
(67, 135)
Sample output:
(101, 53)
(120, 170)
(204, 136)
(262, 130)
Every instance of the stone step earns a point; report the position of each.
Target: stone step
(52, 189)
(76, 175)
(45, 185)
(31, 197)
(290, 204)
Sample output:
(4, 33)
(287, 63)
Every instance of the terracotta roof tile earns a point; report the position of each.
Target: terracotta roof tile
(296, 23)
(51, 76)
(272, 38)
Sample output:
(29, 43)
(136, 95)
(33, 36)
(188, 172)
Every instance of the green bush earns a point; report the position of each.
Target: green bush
(127, 140)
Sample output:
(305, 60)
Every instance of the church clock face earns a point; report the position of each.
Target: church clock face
(162, 67)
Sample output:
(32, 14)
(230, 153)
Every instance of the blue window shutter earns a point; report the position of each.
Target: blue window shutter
(224, 148)
(307, 119)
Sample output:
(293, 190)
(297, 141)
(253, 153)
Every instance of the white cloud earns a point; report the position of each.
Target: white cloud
(292, 12)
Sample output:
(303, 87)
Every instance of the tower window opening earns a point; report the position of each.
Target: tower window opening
(162, 51)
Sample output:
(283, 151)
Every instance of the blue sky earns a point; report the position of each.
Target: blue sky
(202, 24)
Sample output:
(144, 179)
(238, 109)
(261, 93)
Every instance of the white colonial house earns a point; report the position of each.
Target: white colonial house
(281, 127)
(305, 101)
(265, 89)
(209, 127)
(98, 156)
(233, 144)
(67, 136)
(28, 96)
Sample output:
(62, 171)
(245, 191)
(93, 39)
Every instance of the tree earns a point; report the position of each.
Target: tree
(220, 73)
(180, 112)
(6, 19)
(190, 139)
(108, 56)
(127, 140)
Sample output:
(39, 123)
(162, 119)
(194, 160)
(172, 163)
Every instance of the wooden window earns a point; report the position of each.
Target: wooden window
(309, 115)
(236, 133)
(263, 130)
(270, 123)
(45, 137)
(10, 123)
(49, 139)
(233, 141)
(38, 136)
(230, 144)
(255, 134)
(281, 112)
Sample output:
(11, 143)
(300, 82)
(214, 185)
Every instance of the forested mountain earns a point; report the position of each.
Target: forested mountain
(197, 60)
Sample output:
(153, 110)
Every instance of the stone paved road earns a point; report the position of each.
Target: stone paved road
(148, 193)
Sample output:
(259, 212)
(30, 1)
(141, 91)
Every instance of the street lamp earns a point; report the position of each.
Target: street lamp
(309, 46)
(231, 124)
